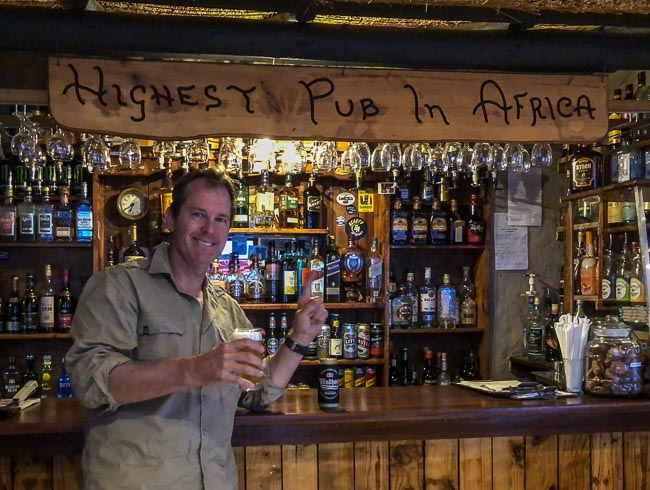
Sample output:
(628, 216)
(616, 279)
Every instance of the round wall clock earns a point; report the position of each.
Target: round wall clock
(132, 204)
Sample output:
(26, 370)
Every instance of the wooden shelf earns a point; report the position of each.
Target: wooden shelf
(34, 336)
(621, 228)
(622, 186)
(289, 232)
(346, 362)
(438, 247)
(585, 226)
(44, 245)
(434, 331)
(586, 297)
(329, 306)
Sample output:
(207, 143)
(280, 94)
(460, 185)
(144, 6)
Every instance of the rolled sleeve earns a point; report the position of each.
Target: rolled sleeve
(104, 330)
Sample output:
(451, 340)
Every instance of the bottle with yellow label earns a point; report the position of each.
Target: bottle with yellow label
(46, 377)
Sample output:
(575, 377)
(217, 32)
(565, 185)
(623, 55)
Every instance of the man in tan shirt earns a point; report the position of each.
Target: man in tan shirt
(153, 362)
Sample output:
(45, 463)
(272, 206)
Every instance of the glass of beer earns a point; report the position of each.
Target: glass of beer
(257, 335)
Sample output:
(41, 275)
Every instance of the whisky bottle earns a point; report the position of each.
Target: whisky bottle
(317, 263)
(264, 216)
(289, 204)
(589, 268)
(351, 263)
(467, 293)
(8, 218)
(456, 225)
(429, 377)
(427, 301)
(240, 218)
(288, 278)
(272, 275)
(405, 370)
(585, 169)
(84, 214)
(302, 265)
(166, 190)
(475, 224)
(312, 205)
(65, 305)
(26, 212)
(235, 281)
(438, 227)
(419, 228)
(46, 302)
(374, 273)
(255, 282)
(11, 380)
(14, 321)
(30, 374)
(411, 292)
(44, 218)
(63, 218)
(399, 224)
(332, 272)
(133, 252)
(401, 309)
(29, 307)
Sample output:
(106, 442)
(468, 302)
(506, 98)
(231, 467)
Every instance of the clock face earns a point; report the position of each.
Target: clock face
(132, 204)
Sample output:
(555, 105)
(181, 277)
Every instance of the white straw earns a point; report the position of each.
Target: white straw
(572, 334)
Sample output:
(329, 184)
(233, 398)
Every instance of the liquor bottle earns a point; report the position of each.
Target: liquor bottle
(255, 291)
(63, 385)
(530, 311)
(426, 187)
(240, 218)
(589, 268)
(272, 275)
(585, 166)
(264, 214)
(469, 368)
(535, 330)
(317, 263)
(444, 379)
(46, 302)
(352, 263)
(392, 293)
(405, 370)
(8, 218)
(467, 293)
(411, 292)
(45, 218)
(336, 338)
(399, 224)
(29, 307)
(577, 262)
(456, 225)
(284, 327)
(46, 376)
(637, 276)
(110, 251)
(214, 275)
(302, 265)
(11, 381)
(429, 377)
(289, 204)
(393, 372)
(438, 227)
(419, 227)
(622, 288)
(25, 212)
(133, 252)
(30, 374)
(14, 322)
(427, 301)
(447, 304)
(332, 272)
(312, 205)
(166, 190)
(63, 219)
(401, 309)
(288, 278)
(272, 341)
(65, 305)
(84, 216)
(475, 224)
(552, 345)
(235, 281)
(374, 273)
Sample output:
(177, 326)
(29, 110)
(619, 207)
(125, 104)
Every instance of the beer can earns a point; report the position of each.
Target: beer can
(348, 378)
(359, 377)
(341, 377)
(313, 350)
(328, 385)
(363, 341)
(349, 341)
(376, 341)
(324, 342)
(371, 377)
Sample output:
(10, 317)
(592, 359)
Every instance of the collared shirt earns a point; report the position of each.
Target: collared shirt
(135, 312)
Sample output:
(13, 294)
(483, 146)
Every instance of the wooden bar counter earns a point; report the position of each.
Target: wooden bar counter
(384, 438)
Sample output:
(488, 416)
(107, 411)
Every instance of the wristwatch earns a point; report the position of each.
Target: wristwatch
(303, 350)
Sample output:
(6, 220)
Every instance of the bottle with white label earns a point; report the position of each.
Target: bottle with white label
(84, 217)
(427, 301)
(46, 302)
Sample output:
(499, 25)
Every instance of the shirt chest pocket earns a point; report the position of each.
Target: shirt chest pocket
(162, 337)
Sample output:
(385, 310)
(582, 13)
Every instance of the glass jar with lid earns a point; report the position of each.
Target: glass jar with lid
(613, 360)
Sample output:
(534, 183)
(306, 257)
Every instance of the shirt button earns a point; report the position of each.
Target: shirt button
(164, 325)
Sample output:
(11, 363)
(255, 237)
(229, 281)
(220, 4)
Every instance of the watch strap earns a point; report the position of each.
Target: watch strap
(303, 350)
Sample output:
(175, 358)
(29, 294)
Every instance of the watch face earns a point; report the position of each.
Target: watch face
(132, 204)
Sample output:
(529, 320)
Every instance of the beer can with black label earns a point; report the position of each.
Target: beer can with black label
(328, 385)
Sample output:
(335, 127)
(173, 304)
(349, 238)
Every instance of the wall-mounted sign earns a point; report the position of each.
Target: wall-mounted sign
(182, 100)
